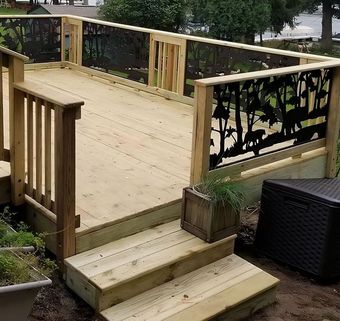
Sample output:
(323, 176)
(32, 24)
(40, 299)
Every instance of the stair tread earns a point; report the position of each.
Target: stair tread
(122, 244)
(197, 295)
(134, 256)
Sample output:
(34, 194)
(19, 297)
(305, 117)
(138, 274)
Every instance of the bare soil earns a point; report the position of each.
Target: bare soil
(299, 297)
(58, 303)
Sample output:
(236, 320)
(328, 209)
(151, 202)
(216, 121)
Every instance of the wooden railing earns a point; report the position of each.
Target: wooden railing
(50, 121)
(160, 62)
(42, 148)
(171, 65)
(14, 63)
(303, 102)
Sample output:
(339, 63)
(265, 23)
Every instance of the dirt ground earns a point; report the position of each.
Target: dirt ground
(299, 298)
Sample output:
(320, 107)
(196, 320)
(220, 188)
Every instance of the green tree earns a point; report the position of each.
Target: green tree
(241, 20)
(158, 14)
(237, 20)
(284, 11)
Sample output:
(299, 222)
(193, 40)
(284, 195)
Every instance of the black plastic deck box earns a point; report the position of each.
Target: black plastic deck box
(299, 224)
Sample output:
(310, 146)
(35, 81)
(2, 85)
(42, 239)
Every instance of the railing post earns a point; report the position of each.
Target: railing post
(65, 178)
(75, 39)
(200, 153)
(333, 124)
(16, 128)
(62, 38)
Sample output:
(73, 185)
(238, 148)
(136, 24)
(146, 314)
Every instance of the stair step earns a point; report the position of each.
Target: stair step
(119, 270)
(230, 288)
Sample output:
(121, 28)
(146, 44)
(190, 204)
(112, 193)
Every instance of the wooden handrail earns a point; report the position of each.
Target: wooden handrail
(48, 93)
(12, 53)
(266, 73)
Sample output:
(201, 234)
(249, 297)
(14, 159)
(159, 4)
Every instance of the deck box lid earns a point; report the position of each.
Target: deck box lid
(319, 189)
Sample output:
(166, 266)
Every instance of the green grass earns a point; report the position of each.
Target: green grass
(222, 191)
(11, 11)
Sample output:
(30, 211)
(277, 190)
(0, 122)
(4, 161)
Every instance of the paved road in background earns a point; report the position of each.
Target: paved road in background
(312, 21)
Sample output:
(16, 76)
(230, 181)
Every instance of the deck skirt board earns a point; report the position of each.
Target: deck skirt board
(132, 224)
(199, 295)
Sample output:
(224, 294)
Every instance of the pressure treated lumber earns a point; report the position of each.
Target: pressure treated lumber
(226, 287)
(124, 268)
(133, 156)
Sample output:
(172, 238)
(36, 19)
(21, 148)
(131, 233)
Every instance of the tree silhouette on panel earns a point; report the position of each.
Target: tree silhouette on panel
(37, 38)
(288, 102)
(116, 50)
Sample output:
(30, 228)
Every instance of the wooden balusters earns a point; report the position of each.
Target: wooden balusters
(39, 174)
(38, 150)
(169, 70)
(48, 157)
(30, 150)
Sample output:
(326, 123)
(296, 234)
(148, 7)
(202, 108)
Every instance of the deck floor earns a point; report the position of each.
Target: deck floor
(133, 148)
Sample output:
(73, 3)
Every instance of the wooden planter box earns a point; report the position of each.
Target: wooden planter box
(207, 221)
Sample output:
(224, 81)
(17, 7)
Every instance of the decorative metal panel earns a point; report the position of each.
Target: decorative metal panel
(279, 112)
(121, 52)
(37, 38)
(210, 60)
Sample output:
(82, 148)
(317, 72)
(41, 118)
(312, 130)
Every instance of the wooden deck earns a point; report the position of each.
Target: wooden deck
(132, 158)
(133, 149)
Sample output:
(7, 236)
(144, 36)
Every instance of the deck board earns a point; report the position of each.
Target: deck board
(133, 148)
(199, 295)
(133, 151)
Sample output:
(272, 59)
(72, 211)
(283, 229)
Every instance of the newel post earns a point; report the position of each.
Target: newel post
(65, 180)
(333, 124)
(17, 131)
(200, 153)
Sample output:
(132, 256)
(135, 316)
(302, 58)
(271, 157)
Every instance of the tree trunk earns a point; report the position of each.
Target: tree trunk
(327, 14)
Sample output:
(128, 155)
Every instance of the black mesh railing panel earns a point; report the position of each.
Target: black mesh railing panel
(37, 38)
(210, 60)
(121, 52)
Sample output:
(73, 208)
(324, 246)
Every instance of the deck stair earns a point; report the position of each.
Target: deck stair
(165, 273)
